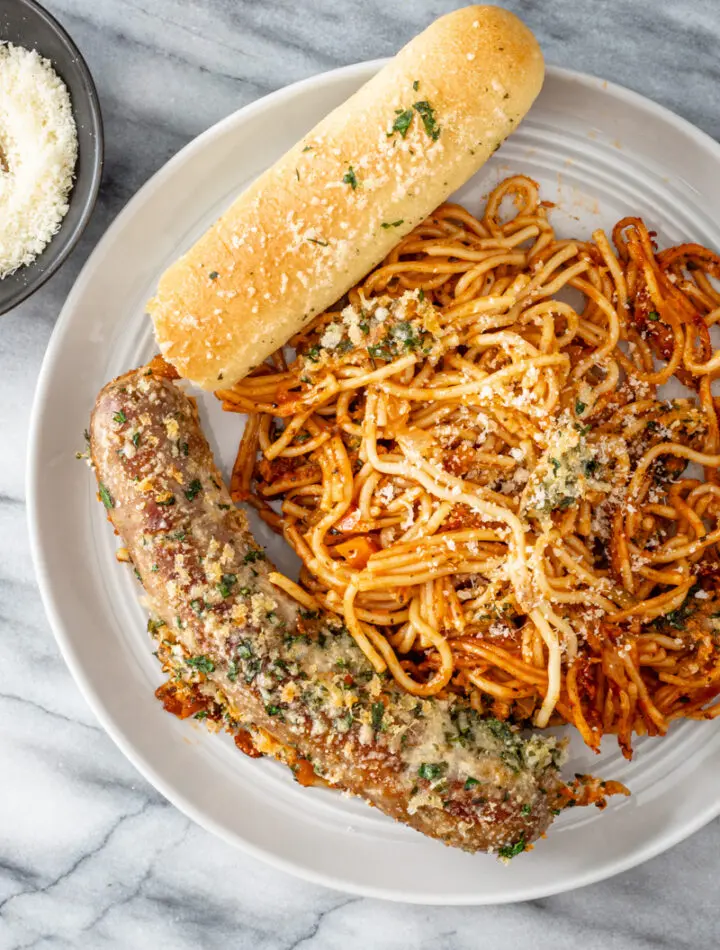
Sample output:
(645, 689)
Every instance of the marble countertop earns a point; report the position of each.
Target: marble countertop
(90, 854)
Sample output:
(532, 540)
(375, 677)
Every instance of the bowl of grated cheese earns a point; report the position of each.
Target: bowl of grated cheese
(51, 148)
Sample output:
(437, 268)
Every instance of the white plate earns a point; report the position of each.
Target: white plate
(601, 153)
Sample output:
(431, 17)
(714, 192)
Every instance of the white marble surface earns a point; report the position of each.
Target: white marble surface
(90, 855)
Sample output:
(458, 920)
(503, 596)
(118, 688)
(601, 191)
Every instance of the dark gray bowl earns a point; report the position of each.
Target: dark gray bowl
(26, 23)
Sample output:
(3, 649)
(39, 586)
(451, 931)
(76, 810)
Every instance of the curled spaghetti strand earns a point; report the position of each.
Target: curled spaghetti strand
(483, 482)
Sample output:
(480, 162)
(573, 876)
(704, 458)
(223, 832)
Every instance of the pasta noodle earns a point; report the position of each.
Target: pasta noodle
(473, 462)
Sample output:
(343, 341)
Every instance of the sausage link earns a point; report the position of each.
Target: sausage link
(434, 764)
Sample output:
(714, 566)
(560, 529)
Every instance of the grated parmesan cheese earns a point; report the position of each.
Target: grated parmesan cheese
(332, 336)
(38, 151)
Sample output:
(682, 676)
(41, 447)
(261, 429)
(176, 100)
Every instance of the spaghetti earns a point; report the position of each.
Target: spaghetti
(474, 465)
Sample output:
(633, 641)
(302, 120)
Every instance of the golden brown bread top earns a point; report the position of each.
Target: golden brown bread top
(331, 208)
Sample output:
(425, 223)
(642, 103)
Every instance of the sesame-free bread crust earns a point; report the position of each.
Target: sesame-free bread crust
(332, 208)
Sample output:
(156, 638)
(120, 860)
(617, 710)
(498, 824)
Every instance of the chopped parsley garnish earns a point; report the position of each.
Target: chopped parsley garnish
(272, 710)
(154, 625)
(224, 507)
(309, 614)
(120, 417)
(197, 606)
(676, 618)
(512, 850)
(308, 148)
(213, 275)
(432, 770)
(377, 711)
(402, 121)
(105, 496)
(427, 114)
(194, 489)
(350, 178)
(392, 224)
(580, 407)
(416, 85)
(184, 448)
(167, 499)
(402, 336)
(525, 810)
(201, 715)
(226, 584)
(555, 464)
(254, 555)
(654, 316)
(461, 719)
(380, 352)
(232, 671)
(178, 536)
(470, 783)
(406, 335)
(202, 663)
(499, 729)
(244, 650)
(136, 439)
(313, 354)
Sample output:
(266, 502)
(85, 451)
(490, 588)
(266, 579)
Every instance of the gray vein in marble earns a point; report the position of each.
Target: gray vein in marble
(82, 859)
(7, 697)
(306, 939)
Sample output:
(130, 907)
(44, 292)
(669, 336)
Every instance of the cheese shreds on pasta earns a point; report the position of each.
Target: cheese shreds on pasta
(487, 486)
(38, 152)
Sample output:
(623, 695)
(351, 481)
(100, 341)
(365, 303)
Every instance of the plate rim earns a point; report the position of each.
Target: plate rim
(143, 764)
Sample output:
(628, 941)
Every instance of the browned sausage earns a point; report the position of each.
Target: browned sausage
(434, 764)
